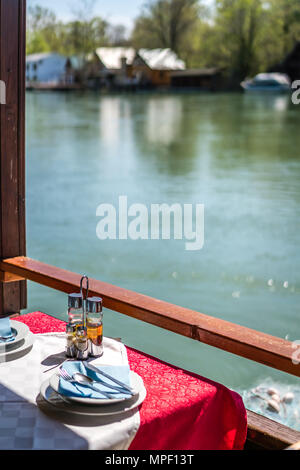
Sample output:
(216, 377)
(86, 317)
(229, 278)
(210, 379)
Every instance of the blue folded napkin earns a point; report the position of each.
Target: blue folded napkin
(5, 329)
(121, 373)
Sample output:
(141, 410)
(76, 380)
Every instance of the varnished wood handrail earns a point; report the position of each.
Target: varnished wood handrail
(239, 340)
(294, 446)
(264, 433)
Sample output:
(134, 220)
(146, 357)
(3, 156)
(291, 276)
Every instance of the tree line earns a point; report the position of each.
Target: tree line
(242, 36)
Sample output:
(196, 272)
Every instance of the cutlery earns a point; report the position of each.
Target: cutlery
(99, 381)
(98, 371)
(81, 380)
(86, 380)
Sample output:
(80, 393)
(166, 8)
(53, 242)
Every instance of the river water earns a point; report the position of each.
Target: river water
(236, 154)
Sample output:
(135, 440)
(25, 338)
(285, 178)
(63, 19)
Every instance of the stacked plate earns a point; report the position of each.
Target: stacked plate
(18, 345)
(51, 393)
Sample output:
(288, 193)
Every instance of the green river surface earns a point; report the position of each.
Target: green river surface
(237, 154)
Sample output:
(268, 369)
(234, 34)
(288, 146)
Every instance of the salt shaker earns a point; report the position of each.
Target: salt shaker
(75, 319)
(75, 309)
(94, 322)
(70, 343)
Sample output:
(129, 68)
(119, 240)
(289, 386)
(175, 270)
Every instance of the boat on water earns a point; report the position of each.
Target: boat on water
(268, 82)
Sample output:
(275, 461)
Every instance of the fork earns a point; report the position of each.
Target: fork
(66, 376)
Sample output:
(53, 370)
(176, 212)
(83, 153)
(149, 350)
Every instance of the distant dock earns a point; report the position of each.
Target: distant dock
(54, 87)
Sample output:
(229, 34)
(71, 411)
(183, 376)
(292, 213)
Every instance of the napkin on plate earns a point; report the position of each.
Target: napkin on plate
(5, 329)
(120, 372)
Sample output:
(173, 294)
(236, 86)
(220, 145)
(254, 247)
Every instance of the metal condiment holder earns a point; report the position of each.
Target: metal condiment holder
(84, 298)
(81, 333)
(78, 343)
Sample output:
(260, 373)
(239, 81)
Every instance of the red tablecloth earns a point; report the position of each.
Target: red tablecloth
(182, 411)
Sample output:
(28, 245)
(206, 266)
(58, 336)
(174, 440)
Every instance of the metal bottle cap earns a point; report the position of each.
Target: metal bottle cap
(75, 300)
(94, 304)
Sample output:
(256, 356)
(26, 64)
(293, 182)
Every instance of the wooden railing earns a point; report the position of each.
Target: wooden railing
(260, 347)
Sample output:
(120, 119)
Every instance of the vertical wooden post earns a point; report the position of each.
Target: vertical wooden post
(13, 297)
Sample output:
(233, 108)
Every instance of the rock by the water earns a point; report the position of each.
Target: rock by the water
(273, 406)
(288, 397)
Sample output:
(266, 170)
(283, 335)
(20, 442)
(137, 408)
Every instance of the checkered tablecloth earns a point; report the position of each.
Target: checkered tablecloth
(24, 425)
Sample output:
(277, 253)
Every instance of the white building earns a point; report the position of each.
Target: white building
(48, 68)
(115, 58)
(161, 59)
(109, 66)
(121, 66)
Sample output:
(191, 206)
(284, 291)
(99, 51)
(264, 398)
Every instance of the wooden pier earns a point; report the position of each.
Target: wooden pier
(54, 87)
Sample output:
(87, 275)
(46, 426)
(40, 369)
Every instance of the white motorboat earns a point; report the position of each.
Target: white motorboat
(268, 82)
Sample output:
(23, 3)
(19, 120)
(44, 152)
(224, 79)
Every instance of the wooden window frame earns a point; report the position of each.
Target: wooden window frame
(13, 295)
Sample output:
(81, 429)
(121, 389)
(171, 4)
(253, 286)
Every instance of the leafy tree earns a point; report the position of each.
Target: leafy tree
(238, 28)
(41, 30)
(82, 37)
(285, 18)
(86, 32)
(78, 37)
(165, 23)
(117, 35)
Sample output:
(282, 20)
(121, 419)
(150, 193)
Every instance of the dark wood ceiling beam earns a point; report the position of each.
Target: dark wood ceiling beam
(12, 147)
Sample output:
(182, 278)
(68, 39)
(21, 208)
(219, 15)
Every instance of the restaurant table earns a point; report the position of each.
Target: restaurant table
(182, 411)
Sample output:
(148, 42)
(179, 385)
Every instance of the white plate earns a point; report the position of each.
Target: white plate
(64, 405)
(21, 331)
(22, 348)
(134, 383)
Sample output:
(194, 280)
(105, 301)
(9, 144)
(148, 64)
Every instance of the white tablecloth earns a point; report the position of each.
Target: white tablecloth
(24, 426)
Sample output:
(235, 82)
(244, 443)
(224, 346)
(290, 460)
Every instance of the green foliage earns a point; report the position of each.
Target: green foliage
(242, 36)
(239, 28)
(165, 23)
(41, 30)
(285, 17)
(78, 37)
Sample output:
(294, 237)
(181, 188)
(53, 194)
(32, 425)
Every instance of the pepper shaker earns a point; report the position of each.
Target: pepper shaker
(75, 318)
(75, 309)
(70, 343)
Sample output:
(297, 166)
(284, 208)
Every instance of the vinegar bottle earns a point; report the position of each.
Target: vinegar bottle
(94, 323)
